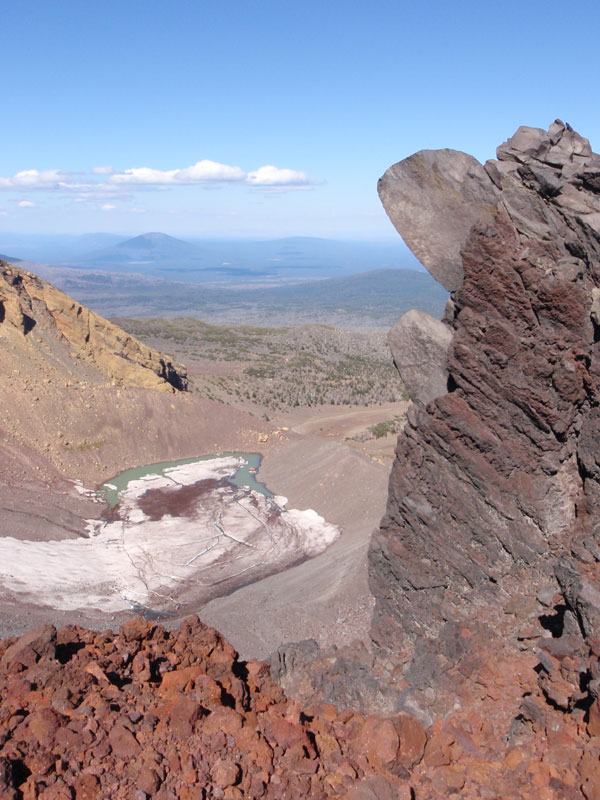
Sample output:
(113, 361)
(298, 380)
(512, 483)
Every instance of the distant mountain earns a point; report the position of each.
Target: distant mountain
(153, 250)
(221, 260)
(10, 259)
(56, 248)
(157, 244)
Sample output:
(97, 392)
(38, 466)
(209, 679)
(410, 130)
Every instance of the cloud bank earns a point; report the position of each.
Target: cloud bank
(273, 176)
(105, 180)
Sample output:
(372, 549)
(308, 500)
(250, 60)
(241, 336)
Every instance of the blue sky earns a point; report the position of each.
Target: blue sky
(267, 118)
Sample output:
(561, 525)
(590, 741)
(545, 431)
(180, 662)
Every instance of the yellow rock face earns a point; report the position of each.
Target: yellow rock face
(26, 300)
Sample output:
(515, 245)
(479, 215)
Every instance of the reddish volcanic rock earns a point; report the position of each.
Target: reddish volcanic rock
(83, 721)
(379, 742)
(150, 713)
(27, 650)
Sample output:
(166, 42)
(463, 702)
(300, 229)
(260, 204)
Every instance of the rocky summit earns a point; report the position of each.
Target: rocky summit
(490, 542)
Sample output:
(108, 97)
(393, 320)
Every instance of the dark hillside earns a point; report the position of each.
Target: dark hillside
(371, 300)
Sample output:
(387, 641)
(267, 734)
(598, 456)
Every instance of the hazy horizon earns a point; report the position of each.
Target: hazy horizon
(208, 258)
(392, 239)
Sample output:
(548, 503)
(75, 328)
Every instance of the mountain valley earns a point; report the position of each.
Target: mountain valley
(427, 632)
(80, 403)
(337, 384)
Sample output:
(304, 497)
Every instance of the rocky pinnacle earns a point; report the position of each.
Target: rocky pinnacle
(494, 491)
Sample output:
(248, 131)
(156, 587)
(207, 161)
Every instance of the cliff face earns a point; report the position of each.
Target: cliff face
(26, 299)
(81, 398)
(496, 482)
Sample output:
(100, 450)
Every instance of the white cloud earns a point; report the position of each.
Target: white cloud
(43, 180)
(104, 181)
(138, 210)
(26, 204)
(211, 172)
(54, 180)
(273, 176)
(3, 213)
(199, 172)
(108, 207)
(37, 179)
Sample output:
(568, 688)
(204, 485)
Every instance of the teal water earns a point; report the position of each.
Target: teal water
(243, 477)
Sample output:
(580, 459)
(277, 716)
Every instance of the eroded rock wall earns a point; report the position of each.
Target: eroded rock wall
(498, 478)
(25, 298)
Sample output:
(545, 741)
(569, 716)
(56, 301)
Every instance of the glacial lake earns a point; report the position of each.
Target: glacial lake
(243, 477)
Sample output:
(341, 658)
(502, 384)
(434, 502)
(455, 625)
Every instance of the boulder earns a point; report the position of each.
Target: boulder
(419, 344)
(433, 199)
(27, 650)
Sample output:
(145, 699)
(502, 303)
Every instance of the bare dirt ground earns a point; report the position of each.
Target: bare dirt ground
(326, 598)
(348, 425)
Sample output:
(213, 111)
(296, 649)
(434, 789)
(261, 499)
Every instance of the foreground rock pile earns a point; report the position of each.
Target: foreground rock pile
(148, 713)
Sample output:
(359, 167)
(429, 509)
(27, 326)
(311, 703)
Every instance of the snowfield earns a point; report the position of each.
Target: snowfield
(223, 535)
